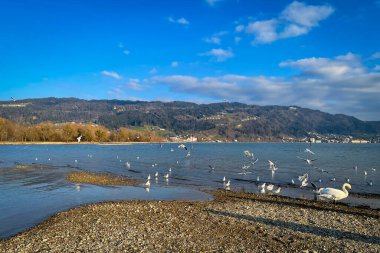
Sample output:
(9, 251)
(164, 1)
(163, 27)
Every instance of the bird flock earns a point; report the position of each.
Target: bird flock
(249, 161)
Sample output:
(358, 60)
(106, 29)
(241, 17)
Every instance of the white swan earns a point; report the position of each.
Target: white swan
(334, 194)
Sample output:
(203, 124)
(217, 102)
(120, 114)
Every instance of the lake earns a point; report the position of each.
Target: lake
(28, 196)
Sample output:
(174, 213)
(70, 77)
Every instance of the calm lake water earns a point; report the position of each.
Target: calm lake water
(28, 196)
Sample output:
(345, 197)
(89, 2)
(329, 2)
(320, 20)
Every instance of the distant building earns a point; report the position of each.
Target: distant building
(192, 139)
(359, 141)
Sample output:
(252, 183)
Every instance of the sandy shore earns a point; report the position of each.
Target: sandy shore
(233, 222)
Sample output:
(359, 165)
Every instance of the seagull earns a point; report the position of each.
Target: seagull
(309, 151)
(334, 194)
(76, 161)
(211, 167)
(166, 176)
(170, 170)
(272, 166)
(182, 146)
(188, 154)
(293, 181)
(128, 165)
(365, 173)
(308, 161)
(156, 174)
(270, 187)
(261, 187)
(77, 187)
(228, 183)
(355, 167)
(333, 179)
(304, 178)
(248, 154)
(347, 179)
(79, 138)
(258, 179)
(277, 191)
(148, 177)
(373, 169)
(137, 157)
(224, 179)
(14, 100)
(171, 150)
(370, 183)
(147, 184)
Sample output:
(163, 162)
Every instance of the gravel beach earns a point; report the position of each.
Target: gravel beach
(233, 222)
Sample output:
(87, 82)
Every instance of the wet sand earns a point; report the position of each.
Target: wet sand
(232, 222)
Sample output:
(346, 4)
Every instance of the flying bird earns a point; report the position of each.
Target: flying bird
(79, 138)
(182, 146)
(309, 151)
(308, 161)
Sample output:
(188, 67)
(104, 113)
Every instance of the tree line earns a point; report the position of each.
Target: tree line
(69, 132)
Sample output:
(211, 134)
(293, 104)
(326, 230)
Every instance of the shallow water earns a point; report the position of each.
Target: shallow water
(28, 196)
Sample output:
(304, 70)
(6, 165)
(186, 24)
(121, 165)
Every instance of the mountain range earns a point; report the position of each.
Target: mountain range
(227, 120)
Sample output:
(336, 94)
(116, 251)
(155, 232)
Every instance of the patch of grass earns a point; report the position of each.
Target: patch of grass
(99, 179)
(38, 167)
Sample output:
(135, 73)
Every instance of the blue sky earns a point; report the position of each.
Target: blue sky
(318, 54)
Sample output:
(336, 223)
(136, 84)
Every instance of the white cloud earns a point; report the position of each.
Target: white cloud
(111, 74)
(153, 71)
(295, 20)
(237, 39)
(215, 38)
(174, 64)
(126, 52)
(116, 92)
(181, 21)
(264, 31)
(134, 84)
(219, 54)
(239, 28)
(306, 15)
(376, 55)
(213, 2)
(339, 67)
(336, 85)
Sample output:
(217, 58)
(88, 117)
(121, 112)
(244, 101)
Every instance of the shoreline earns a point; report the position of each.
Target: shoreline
(233, 221)
(141, 142)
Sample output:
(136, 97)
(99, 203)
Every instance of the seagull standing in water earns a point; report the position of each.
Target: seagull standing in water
(272, 166)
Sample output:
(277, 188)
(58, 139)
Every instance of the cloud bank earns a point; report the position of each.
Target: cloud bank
(337, 85)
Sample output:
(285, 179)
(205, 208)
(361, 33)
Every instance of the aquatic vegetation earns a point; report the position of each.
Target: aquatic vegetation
(99, 179)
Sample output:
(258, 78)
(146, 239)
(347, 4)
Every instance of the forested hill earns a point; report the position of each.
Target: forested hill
(228, 120)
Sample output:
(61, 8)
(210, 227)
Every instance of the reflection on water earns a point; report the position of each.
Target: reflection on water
(29, 195)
